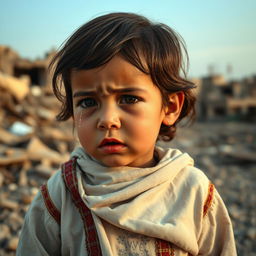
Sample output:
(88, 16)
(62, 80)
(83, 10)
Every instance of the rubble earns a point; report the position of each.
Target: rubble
(18, 87)
(31, 154)
(32, 147)
(221, 99)
(239, 152)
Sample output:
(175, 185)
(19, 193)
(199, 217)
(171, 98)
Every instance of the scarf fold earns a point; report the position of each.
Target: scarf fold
(146, 201)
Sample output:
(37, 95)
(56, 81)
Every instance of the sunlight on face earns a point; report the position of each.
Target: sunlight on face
(118, 113)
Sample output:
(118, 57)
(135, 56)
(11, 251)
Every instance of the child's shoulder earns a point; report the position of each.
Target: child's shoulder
(195, 178)
(55, 182)
(56, 188)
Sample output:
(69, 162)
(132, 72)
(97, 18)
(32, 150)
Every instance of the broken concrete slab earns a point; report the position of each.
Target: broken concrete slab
(38, 151)
(18, 87)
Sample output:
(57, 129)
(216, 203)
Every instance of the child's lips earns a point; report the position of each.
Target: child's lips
(111, 145)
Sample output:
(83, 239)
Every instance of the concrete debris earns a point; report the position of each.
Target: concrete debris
(32, 147)
(221, 99)
(18, 87)
(239, 152)
(21, 129)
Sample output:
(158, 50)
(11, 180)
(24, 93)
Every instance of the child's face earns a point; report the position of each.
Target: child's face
(118, 113)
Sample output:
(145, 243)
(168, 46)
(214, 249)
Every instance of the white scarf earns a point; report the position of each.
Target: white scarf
(154, 201)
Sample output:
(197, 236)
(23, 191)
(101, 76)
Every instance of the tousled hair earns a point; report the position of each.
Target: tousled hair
(154, 48)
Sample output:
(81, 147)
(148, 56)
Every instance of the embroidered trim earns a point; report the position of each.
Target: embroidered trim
(164, 248)
(69, 176)
(209, 199)
(49, 203)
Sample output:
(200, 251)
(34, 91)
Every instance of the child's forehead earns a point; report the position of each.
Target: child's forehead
(105, 81)
(115, 73)
(115, 63)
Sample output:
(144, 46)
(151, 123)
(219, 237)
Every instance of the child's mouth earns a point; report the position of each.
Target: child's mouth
(111, 145)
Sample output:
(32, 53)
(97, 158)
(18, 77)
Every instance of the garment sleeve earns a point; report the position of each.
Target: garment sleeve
(40, 234)
(217, 238)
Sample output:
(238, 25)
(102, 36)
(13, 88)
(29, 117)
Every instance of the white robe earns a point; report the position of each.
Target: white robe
(162, 202)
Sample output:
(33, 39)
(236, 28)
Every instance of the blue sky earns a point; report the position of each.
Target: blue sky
(216, 32)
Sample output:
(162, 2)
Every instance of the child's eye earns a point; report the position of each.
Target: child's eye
(129, 99)
(87, 103)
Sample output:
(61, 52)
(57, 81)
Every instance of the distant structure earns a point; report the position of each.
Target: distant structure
(12, 64)
(219, 99)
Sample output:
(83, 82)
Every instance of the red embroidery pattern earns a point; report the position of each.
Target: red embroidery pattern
(209, 199)
(49, 204)
(69, 176)
(163, 248)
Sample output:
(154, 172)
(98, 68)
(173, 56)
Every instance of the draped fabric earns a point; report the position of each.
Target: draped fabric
(147, 201)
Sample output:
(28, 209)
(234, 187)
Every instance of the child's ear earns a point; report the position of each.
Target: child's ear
(173, 109)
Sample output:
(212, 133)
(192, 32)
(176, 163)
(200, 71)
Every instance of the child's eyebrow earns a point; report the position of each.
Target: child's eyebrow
(122, 90)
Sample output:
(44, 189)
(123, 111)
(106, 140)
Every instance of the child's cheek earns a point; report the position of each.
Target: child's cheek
(83, 116)
(79, 117)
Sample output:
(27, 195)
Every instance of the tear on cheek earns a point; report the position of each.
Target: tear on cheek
(80, 120)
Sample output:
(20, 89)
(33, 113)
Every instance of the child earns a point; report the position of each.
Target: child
(120, 194)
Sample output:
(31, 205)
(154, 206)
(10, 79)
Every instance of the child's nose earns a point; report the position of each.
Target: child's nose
(109, 119)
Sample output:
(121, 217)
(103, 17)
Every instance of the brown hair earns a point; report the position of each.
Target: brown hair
(154, 48)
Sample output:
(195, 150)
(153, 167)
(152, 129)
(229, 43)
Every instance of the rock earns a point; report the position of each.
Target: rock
(21, 129)
(9, 204)
(15, 220)
(1, 179)
(251, 233)
(27, 199)
(56, 134)
(23, 179)
(4, 231)
(44, 171)
(36, 91)
(12, 187)
(8, 138)
(19, 88)
(46, 114)
(37, 151)
(13, 156)
(239, 152)
(13, 243)
(34, 191)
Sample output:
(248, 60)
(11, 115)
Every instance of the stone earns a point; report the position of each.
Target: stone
(12, 187)
(18, 87)
(1, 179)
(13, 243)
(21, 129)
(4, 231)
(251, 233)
(27, 199)
(44, 171)
(37, 151)
(13, 156)
(9, 204)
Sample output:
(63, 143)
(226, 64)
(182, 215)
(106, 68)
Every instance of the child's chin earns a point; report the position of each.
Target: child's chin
(113, 161)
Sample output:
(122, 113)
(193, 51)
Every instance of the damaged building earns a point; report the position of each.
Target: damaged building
(13, 65)
(219, 99)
